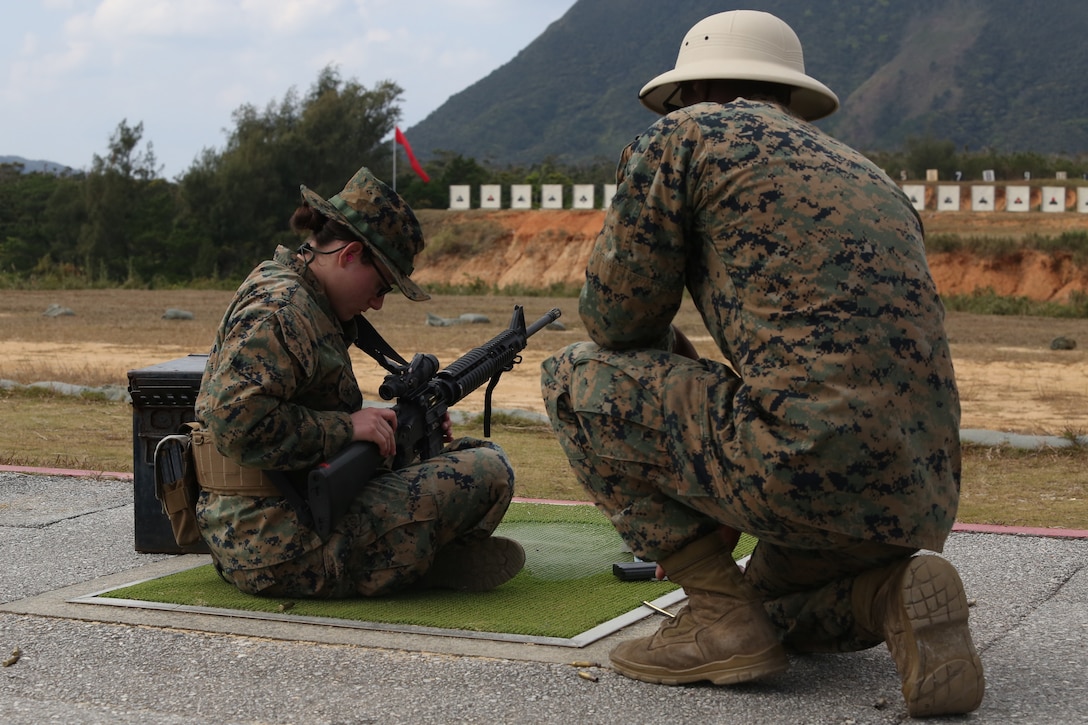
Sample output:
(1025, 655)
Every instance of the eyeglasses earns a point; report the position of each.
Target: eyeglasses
(387, 286)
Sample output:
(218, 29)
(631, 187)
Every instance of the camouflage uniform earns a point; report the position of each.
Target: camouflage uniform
(832, 434)
(278, 393)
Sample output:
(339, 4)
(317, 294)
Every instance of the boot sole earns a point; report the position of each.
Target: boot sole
(937, 661)
(477, 567)
(736, 669)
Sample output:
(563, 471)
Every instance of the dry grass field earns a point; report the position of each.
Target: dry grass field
(1009, 378)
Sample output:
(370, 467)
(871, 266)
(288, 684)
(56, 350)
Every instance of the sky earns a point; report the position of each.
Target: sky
(72, 70)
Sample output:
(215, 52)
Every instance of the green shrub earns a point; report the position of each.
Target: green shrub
(988, 302)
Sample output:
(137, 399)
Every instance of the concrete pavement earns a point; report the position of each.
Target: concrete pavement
(65, 537)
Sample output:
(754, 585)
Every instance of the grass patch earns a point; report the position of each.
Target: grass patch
(468, 237)
(566, 588)
(542, 468)
(984, 246)
(59, 369)
(526, 605)
(988, 302)
(1073, 243)
(1017, 487)
(40, 428)
(477, 287)
(1001, 485)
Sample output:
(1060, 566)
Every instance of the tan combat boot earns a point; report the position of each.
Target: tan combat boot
(920, 608)
(722, 635)
(474, 565)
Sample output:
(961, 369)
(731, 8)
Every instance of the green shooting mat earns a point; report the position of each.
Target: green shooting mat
(565, 595)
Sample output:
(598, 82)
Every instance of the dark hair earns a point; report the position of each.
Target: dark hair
(309, 221)
(756, 90)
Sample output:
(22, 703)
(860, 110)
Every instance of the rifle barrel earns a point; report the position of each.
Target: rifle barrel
(549, 317)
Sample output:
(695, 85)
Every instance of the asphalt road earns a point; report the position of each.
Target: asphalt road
(64, 538)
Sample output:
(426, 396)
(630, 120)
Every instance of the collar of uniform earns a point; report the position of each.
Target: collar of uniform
(289, 258)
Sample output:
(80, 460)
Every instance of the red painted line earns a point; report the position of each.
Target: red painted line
(1022, 531)
(958, 527)
(67, 472)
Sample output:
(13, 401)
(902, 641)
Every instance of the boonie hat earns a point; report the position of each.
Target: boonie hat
(743, 45)
(382, 220)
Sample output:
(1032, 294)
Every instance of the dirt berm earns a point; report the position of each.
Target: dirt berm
(540, 248)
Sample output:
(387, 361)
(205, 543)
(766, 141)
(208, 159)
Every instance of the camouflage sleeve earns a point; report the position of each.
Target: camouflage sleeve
(636, 272)
(253, 406)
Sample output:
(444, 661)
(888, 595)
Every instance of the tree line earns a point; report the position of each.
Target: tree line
(121, 224)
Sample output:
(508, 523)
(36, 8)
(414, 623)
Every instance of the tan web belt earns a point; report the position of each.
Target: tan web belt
(218, 474)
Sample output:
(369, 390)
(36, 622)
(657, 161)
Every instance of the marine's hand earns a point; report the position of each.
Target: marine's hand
(377, 425)
(447, 429)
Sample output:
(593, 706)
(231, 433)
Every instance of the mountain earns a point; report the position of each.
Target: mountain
(35, 166)
(999, 74)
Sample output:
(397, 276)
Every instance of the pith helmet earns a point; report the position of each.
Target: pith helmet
(743, 45)
(382, 220)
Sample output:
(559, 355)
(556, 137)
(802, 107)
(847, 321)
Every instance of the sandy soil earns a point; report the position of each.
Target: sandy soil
(1009, 378)
(1027, 396)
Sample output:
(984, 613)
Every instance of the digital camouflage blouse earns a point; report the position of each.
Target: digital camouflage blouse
(807, 265)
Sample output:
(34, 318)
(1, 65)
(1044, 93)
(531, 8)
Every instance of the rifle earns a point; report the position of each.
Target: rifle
(424, 395)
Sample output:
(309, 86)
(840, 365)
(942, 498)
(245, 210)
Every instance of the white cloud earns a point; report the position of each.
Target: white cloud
(76, 68)
(207, 18)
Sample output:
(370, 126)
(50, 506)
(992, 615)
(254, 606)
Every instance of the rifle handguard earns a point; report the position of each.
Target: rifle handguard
(417, 385)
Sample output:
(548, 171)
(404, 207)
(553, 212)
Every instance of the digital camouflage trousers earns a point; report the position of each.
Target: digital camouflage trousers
(389, 537)
(636, 427)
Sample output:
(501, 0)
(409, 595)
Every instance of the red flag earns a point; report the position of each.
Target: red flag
(411, 156)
